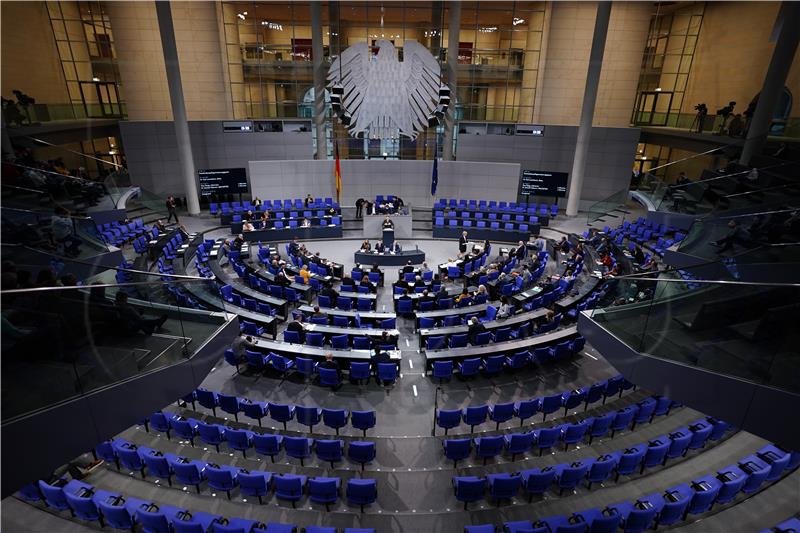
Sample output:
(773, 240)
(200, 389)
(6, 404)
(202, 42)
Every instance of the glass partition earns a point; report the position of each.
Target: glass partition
(62, 342)
(733, 328)
(606, 205)
(63, 235)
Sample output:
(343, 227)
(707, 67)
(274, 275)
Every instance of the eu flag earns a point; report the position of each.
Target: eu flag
(435, 176)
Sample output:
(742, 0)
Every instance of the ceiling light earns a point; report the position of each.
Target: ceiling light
(517, 21)
(95, 79)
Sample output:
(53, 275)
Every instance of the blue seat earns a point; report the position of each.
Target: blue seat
(457, 449)
(550, 404)
(568, 475)
(188, 472)
(600, 469)
(487, 447)
(116, 516)
(361, 492)
(387, 373)
(705, 490)
(469, 489)
(84, 508)
(518, 443)
(254, 410)
(230, 404)
(525, 409)
(335, 418)
(329, 377)
(329, 450)
(212, 434)
(324, 490)
(637, 516)
(656, 452)
(363, 420)
(256, 361)
(475, 416)
(537, 481)
(600, 426)
(517, 360)
(676, 500)
(572, 399)
(732, 479)
(305, 366)
(207, 399)
(298, 447)
(361, 452)
(573, 433)
(442, 370)
(629, 460)
(623, 419)
(459, 340)
(501, 412)
(546, 438)
(308, 416)
(503, 486)
(494, 364)
(360, 371)
(281, 412)
(222, 477)
(448, 419)
(267, 444)
(314, 339)
(281, 364)
(254, 483)
(289, 487)
(436, 342)
(469, 367)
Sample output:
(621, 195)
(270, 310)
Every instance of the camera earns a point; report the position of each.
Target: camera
(701, 108)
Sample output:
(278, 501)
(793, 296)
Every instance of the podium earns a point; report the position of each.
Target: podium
(388, 237)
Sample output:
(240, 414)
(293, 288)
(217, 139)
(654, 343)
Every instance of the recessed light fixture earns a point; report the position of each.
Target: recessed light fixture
(517, 20)
(95, 79)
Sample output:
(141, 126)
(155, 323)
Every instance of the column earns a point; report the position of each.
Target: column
(785, 48)
(167, 31)
(317, 52)
(453, 29)
(587, 109)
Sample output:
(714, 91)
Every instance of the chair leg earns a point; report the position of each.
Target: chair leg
(259, 500)
(198, 488)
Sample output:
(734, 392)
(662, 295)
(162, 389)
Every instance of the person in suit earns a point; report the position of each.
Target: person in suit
(387, 223)
(348, 284)
(360, 208)
(396, 248)
(309, 200)
(330, 293)
(294, 247)
(462, 243)
(405, 295)
(365, 282)
(379, 247)
(475, 328)
(375, 268)
(380, 356)
(521, 251)
(318, 314)
(331, 364)
(442, 294)
(408, 267)
(296, 325)
(240, 344)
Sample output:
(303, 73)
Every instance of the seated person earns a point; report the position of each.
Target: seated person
(296, 325)
(248, 215)
(365, 246)
(408, 267)
(306, 223)
(132, 320)
(331, 364)
(248, 226)
(506, 309)
(396, 248)
(475, 328)
(348, 284)
(404, 296)
(379, 356)
(318, 314)
(240, 344)
(304, 272)
(365, 282)
(309, 200)
(464, 294)
(379, 247)
(294, 247)
(375, 268)
(330, 293)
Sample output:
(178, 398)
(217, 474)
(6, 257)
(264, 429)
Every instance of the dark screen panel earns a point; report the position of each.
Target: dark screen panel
(543, 183)
(222, 181)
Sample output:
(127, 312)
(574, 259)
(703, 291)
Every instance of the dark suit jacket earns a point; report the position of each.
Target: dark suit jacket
(462, 244)
(475, 329)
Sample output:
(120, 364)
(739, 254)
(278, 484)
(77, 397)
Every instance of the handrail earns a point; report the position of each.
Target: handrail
(787, 210)
(92, 286)
(711, 281)
(725, 176)
(40, 141)
(59, 174)
(767, 189)
(691, 157)
(26, 189)
(44, 213)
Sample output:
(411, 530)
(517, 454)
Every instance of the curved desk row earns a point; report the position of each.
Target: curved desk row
(485, 234)
(491, 326)
(501, 348)
(365, 316)
(287, 234)
(373, 334)
(389, 259)
(318, 354)
(416, 297)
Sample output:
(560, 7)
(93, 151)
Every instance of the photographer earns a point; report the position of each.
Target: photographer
(725, 113)
(700, 118)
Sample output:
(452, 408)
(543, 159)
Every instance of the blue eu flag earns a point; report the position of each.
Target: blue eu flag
(435, 176)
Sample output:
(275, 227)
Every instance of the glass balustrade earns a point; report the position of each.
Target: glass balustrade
(63, 342)
(606, 205)
(738, 329)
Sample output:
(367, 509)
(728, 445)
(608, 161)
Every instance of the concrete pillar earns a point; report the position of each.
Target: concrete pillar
(788, 29)
(587, 109)
(167, 31)
(317, 52)
(453, 29)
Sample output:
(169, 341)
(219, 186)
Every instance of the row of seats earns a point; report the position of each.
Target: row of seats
(477, 215)
(460, 340)
(792, 525)
(118, 233)
(670, 506)
(340, 342)
(91, 504)
(225, 477)
(537, 481)
(271, 205)
(459, 223)
(525, 409)
(571, 433)
(494, 364)
(292, 222)
(258, 362)
(492, 205)
(345, 303)
(228, 294)
(283, 413)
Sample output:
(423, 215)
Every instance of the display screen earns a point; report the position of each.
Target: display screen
(543, 183)
(222, 181)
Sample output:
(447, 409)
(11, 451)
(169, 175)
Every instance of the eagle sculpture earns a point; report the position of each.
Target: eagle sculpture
(383, 95)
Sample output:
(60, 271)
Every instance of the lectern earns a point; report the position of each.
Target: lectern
(388, 237)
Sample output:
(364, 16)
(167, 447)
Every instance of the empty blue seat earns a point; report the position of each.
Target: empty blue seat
(335, 418)
(469, 489)
(221, 477)
(600, 469)
(568, 475)
(475, 415)
(267, 444)
(329, 450)
(448, 418)
(298, 447)
(363, 420)
(537, 481)
(361, 492)
(525, 409)
(387, 373)
(254, 483)
(289, 487)
(501, 412)
(324, 490)
(457, 449)
(281, 413)
(442, 370)
(361, 452)
(486, 447)
(503, 486)
(308, 416)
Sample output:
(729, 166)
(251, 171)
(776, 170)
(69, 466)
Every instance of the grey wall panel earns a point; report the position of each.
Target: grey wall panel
(368, 178)
(608, 167)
